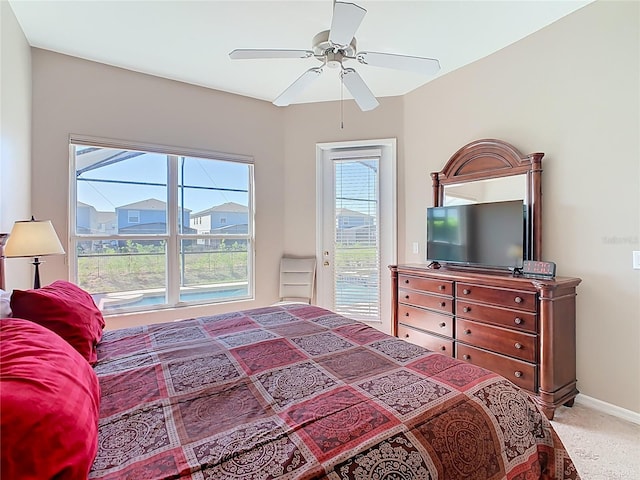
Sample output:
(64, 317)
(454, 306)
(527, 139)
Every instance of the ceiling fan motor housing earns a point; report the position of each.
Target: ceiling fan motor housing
(325, 50)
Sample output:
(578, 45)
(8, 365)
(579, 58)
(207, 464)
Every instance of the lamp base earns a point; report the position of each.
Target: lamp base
(36, 278)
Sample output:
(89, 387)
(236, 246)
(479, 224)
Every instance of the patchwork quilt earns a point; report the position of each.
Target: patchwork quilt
(297, 391)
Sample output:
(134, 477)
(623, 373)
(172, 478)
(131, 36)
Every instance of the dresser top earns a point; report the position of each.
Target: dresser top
(498, 278)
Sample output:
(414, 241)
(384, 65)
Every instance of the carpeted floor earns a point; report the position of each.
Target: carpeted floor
(602, 447)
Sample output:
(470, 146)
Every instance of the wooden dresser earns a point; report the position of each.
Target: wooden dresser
(521, 328)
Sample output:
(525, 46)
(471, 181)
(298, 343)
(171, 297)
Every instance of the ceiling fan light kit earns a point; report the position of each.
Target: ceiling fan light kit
(335, 46)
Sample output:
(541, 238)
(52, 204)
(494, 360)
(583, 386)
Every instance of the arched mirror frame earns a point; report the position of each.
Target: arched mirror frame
(489, 159)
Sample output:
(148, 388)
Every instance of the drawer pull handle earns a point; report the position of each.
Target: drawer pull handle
(466, 291)
(406, 281)
(517, 373)
(466, 309)
(518, 321)
(407, 297)
(443, 304)
(440, 287)
(467, 332)
(406, 314)
(442, 324)
(406, 335)
(518, 346)
(518, 299)
(466, 357)
(443, 348)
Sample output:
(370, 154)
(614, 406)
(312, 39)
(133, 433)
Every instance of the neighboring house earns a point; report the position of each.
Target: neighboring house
(86, 218)
(355, 227)
(91, 221)
(107, 223)
(147, 216)
(226, 219)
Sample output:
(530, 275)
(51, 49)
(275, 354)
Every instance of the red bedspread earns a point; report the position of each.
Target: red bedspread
(301, 392)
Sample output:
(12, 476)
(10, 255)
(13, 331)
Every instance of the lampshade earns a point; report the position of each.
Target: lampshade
(33, 238)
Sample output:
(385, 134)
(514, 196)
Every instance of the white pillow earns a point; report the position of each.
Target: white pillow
(5, 306)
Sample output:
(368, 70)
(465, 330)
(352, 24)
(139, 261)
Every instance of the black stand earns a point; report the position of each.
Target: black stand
(3, 240)
(36, 279)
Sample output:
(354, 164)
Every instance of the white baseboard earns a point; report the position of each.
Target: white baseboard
(608, 408)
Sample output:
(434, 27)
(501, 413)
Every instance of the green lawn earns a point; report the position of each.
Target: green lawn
(143, 267)
(121, 272)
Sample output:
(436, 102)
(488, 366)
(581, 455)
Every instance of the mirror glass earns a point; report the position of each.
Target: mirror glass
(490, 190)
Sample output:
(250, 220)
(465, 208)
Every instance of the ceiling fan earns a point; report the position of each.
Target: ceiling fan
(333, 48)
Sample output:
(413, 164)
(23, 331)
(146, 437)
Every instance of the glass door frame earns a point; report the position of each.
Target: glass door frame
(386, 150)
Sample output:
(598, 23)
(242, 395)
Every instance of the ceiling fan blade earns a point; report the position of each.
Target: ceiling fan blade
(427, 66)
(296, 88)
(252, 53)
(359, 90)
(346, 20)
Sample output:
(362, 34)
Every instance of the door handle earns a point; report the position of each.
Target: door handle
(326, 263)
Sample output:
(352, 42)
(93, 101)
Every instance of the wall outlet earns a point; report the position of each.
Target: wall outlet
(416, 247)
(636, 260)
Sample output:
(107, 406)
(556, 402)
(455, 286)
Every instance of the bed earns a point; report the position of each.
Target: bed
(297, 391)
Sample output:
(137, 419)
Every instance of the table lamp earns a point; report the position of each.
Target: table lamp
(33, 238)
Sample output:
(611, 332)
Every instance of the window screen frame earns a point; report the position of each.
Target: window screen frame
(172, 236)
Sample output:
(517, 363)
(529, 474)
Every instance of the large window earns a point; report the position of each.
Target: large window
(147, 227)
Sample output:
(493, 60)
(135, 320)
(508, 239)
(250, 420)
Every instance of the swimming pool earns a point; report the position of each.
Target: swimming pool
(159, 299)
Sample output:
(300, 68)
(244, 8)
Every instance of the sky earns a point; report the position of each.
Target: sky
(151, 168)
(210, 182)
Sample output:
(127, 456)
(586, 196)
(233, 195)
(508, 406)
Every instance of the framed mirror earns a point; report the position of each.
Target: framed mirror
(490, 170)
(500, 189)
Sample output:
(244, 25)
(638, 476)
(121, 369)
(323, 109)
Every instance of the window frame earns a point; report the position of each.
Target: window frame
(130, 216)
(172, 237)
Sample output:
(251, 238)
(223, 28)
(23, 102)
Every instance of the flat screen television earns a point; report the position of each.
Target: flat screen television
(479, 234)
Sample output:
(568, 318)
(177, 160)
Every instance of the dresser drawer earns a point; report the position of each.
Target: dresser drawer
(497, 296)
(521, 373)
(508, 342)
(425, 320)
(441, 287)
(525, 321)
(427, 300)
(430, 342)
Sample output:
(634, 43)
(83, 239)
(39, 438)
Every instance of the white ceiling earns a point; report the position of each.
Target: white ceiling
(190, 41)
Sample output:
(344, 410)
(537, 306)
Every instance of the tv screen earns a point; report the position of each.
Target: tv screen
(483, 234)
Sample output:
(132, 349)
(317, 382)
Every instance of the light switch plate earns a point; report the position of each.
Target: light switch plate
(416, 247)
(636, 259)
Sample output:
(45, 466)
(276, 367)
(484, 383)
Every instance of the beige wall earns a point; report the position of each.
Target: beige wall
(15, 136)
(571, 91)
(74, 96)
(309, 124)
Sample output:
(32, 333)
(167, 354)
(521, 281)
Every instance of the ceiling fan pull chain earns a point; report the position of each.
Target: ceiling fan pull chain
(341, 103)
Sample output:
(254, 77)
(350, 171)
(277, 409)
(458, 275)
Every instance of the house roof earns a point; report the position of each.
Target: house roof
(84, 205)
(228, 207)
(350, 213)
(148, 204)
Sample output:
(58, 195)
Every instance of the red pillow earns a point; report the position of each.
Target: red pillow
(67, 310)
(50, 400)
